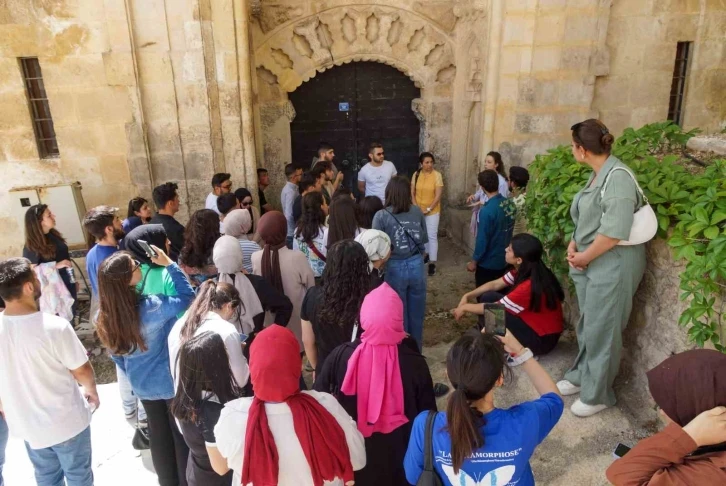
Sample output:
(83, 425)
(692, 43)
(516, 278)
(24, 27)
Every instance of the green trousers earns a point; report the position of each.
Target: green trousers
(605, 295)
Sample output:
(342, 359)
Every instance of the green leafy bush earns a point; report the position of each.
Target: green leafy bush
(690, 205)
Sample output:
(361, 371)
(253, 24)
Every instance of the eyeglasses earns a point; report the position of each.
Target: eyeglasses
(227, 186)
(137, 264)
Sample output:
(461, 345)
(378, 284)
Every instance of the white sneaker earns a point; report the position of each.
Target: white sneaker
(584, 410)
(567, 388)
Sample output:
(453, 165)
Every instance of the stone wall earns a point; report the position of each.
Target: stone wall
(641, 39)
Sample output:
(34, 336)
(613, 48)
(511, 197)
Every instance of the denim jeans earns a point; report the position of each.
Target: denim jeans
(70, 460)
(129, 401)
(408, 279)
(3, 443)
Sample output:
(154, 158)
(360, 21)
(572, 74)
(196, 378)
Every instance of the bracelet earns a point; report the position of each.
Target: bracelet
(522, 357)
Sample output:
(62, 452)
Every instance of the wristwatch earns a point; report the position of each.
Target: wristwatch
(521, 357)
(428, 210)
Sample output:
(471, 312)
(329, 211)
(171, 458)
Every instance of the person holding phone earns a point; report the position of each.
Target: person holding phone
(533, 304)
(476, 442)
(135, 329)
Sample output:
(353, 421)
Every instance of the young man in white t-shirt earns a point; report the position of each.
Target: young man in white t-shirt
(41, 364)
(221, 184)
(375, 175)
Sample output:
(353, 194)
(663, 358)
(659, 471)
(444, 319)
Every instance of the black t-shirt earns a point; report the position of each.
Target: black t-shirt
(61, 251)
(263, 200)
(328, 338)
(199, 470)
(174, 232)
(297, 209)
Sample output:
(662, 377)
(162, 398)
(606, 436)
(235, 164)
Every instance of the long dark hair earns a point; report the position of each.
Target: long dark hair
(474, 365)
(345, 284)
(203, 367)
(543, 281)
(119, 327)
(369, 206)
(312, 217)
(135, 205)
(35, 240)
(201, 233)
(499, 163)
(398, 194)
(211, 297)
(343, 222)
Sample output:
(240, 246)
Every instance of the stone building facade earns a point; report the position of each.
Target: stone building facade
(148, 91)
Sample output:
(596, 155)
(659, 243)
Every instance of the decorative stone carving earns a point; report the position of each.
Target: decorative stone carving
(282, 59)
(420, 109)
(269, 17)
(289, 111)
(308, 30)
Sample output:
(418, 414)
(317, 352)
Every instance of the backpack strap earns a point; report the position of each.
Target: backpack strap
(428, 441)
(315, 250)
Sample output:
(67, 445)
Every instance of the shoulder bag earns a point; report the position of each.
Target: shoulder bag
(408, 235)
(429, 477)
(645, 222)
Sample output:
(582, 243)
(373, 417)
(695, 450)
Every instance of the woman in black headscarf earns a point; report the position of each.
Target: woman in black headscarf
(155, 279)
(690, 390)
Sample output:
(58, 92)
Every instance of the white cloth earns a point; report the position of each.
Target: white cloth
(432, 229)
(211, 203)
(231, 429)
(227, 331)
(377, 178)
(376, 243)
(43, 403)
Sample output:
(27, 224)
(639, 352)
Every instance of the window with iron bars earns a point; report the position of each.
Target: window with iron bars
(39, 108)
(678, 85)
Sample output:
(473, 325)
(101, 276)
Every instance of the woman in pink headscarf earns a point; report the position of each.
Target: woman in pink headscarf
(383, 382)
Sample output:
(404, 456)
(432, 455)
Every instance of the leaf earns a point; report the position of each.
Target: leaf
(711, 232)
(700, 214)
(717, 217)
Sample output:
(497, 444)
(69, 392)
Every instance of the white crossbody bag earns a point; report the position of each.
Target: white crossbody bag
(645, 222)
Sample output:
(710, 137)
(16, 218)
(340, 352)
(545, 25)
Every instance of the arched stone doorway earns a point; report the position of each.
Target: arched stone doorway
(350, 106)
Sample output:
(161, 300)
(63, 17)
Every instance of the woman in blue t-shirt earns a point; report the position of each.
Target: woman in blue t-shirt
(474, 442)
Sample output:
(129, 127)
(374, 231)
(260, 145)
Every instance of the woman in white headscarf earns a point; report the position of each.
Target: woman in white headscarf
(377, 245)
(257, 294)
(238, 224)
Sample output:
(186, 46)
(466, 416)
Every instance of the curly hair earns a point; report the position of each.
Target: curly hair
(345, 284)
(201, 233)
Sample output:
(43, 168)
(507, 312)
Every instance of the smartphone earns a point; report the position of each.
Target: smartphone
(497, 318)
(147, 248)
(620, 451)
(243, 337)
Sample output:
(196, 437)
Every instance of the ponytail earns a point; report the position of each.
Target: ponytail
(532, 268)
(475, 363)
(464, 423)
(211, 297)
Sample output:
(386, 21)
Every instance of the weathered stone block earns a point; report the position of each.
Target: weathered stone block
(119, 68)
(114, 169)
(550, 30)
(114, 100)
(73, 71)
(518, 31)
(546, 59)
(576, 58)
(673, 7)
(18, 145)
(159, 101)
(14, 109)
(579, 29)
(681, 28)
(709, 143)
(612, 92)
(534, 124)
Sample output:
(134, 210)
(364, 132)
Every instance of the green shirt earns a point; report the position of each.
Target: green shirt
(156, 281)
(610, 215)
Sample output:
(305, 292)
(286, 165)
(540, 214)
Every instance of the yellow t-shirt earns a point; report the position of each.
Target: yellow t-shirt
(426, 185)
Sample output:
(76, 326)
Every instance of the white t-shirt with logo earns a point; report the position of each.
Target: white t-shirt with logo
(42, 402)
(377, 178)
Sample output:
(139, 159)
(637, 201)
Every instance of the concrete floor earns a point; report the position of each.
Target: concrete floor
(577, 452)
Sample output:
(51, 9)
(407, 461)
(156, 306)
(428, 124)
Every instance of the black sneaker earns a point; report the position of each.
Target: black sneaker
(440, 390)
(432, 269)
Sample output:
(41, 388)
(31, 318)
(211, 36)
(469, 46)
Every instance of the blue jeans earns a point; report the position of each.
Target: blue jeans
(70, 460)
(129, 401)
(408, 279)
(3, 443)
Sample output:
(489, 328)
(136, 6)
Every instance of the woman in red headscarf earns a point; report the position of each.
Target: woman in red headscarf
(284, 436)
(297, 278)
(383, 381)
(690, 389)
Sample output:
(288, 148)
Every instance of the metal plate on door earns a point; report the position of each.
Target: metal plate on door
(343, 106)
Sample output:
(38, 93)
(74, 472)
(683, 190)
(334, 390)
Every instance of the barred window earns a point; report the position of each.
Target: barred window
(678, 86)
(39, 108)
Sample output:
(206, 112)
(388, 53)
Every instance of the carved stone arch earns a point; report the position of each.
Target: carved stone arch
(298, 50)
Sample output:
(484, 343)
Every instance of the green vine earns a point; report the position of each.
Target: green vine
(690, 202)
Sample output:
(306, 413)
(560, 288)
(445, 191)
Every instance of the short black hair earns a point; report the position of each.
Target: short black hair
(488, 180)
(226, 202)
(308, 180)
(261, 171)
(164, 193)
(519, 176)
(219, 178)
(14, 273)
(324, 147)
(324, 165)
(374, 146)
(290, 169)
(398, 194)
(319, 170)
(98, 219)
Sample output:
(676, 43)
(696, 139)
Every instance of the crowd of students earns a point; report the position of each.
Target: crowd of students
(208, 325)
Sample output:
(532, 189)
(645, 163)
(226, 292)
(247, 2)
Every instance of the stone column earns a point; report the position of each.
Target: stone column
(490, 94)
(248, 171)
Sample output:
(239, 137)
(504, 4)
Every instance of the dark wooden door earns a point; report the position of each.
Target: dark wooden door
(378, 109)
